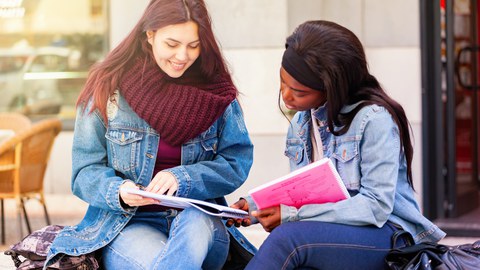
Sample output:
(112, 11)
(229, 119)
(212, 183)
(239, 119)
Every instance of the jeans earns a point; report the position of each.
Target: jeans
(321, 245)
(159, 240)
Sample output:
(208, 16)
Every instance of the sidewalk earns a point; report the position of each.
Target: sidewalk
(69, 210)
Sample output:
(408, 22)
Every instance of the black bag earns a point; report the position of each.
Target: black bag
(238, 257)
(34, 249)
(433, 256)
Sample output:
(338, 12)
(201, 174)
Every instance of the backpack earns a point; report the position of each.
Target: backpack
(34, 249)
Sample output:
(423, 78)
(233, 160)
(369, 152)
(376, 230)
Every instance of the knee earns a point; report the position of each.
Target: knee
(195, 217)
(198, 227)
(284, 230)
(198, 221)
(281, 235)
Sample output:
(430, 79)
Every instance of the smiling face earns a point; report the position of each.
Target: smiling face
(297, 96)
(175, 47)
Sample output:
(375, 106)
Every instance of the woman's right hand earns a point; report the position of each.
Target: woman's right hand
(134, 199)
(241, 204)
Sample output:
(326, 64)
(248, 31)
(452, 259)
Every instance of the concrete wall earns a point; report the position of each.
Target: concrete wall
(252, 35)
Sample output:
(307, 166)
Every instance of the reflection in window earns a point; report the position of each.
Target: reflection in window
(10, 64)
(46, 50)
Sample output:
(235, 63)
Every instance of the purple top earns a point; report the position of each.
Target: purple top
(168, 157)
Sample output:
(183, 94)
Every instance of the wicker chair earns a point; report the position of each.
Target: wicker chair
(23, 161)
(15, 122)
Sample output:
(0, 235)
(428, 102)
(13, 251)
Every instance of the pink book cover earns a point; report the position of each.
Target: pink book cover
(318, 182)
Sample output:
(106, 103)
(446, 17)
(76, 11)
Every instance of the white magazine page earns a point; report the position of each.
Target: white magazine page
(182, 203)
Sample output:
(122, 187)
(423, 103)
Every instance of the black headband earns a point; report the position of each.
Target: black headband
(299, 70)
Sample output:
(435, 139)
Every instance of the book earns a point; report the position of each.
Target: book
(182, 203)
(318, 182)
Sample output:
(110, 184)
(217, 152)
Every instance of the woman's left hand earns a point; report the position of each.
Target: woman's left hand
(241, 204)
(270, 218)
(163, 183)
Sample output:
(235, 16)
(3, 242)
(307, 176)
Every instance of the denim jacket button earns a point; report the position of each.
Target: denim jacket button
(149, 155)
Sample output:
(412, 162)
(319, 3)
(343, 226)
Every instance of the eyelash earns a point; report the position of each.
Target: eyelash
(298, 94)
(175, 45)
(295, 92)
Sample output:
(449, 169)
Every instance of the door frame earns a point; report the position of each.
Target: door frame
(432, 110)
(439, 154)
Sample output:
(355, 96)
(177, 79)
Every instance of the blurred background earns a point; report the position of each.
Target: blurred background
(424, 52)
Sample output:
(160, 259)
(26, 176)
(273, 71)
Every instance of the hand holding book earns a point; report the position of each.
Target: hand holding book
(269, 218)
(318, 182)
(241, 204)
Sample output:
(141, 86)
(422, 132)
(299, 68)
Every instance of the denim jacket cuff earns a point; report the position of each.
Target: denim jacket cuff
(183, 181)
(289, 213)
(113, 197)
(252, 206)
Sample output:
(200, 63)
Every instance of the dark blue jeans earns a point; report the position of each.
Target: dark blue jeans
(321, 245)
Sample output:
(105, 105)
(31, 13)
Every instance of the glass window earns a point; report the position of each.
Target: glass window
(46, 49)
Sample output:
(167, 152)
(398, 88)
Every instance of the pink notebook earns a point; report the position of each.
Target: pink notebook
(318, 182)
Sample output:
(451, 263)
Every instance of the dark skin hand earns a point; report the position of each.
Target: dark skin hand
(241, 204)
(269, 218)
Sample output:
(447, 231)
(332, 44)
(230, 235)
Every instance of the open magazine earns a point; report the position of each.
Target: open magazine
(182, 203)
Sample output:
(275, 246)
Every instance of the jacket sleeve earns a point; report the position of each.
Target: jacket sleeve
(229, 168)
(379, 168)
(92, 180)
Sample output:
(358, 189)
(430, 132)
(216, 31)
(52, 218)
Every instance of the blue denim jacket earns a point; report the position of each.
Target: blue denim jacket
(372, 165)
(213, 164)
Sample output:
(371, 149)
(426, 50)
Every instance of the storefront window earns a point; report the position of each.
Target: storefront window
(46, 50)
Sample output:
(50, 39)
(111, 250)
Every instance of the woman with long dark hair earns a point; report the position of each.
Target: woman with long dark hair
(159, 113)
(343, 114)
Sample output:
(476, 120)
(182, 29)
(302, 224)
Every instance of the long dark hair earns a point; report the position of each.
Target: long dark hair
(104, 76)
(337, 57)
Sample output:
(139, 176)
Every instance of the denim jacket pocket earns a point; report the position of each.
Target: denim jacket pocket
(346, 157)
(295, 152)
(209, 143)
(124, 149)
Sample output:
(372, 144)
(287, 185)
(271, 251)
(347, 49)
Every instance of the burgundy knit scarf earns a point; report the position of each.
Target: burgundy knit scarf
(176, 110)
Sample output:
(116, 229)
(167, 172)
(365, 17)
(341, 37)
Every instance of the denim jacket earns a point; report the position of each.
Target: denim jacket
(372, 165)
(213, 164)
